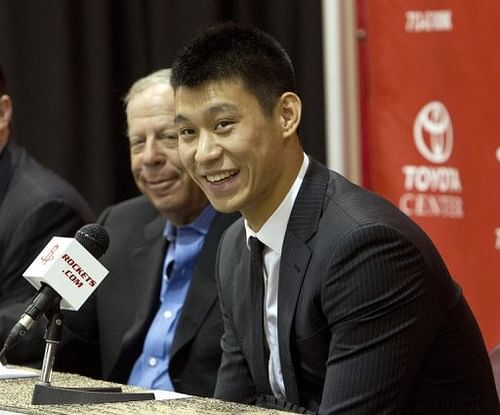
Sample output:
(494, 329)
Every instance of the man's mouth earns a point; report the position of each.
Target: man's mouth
(219, 177)
(158, 183)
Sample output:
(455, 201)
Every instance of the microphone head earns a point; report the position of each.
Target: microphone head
(94, 238)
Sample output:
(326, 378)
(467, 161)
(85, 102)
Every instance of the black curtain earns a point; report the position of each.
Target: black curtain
(69, 62)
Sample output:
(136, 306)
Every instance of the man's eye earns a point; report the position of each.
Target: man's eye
(169, 139)
(136, 144)
(223, 125)
(168, 136)
(186, 132)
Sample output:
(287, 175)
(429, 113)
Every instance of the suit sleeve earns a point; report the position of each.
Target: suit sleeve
(234, 382)
(376, 300)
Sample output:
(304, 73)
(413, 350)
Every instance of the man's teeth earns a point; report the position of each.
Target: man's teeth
(213, 178)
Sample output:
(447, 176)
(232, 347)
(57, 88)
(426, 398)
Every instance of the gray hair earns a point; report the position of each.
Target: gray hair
(159, 77)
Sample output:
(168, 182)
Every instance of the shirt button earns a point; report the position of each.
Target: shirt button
(167, 314)
(152, 362)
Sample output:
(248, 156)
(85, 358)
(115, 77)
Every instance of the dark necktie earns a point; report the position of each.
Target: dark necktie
(261, 348)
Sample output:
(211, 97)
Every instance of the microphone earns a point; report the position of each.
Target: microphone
(66, 272)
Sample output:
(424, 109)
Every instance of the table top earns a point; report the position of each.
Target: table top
(16, 394)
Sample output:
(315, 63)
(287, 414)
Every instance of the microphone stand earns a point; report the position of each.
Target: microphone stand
(46, 394)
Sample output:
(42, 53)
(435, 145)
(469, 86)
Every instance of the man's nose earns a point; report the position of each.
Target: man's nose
(208, 148)
(153, 151)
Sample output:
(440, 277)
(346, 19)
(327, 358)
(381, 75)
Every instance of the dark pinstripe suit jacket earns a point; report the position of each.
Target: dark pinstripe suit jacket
(35, 205)
(369, 319)
(115, 321)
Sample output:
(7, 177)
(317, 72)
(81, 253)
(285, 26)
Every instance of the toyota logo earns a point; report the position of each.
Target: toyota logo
(433, 132)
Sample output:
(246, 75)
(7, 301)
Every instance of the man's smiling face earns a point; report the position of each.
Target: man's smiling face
(154, 156)
(231, 148)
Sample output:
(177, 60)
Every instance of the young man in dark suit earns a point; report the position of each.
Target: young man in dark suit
(358, 313)
(155, 320)
(35, 205)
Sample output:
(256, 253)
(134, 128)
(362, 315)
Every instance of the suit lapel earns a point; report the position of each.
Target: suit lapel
(203, 291)
(295, 256)
(7, 166)
(146, 261)
(241, 297)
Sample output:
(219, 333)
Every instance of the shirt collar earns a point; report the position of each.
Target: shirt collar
(201, 224)
(272, 233)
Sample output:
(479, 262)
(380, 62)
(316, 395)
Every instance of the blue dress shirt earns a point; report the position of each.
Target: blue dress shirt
(185, 242)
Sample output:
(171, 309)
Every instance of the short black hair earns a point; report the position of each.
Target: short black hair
(3, 82)
(232, 52)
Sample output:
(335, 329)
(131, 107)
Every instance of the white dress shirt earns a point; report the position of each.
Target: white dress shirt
(272, 235)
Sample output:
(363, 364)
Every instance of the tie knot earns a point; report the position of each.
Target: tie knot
(256, 246)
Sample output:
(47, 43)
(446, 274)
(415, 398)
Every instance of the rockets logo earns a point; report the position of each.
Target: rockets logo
(49, 256)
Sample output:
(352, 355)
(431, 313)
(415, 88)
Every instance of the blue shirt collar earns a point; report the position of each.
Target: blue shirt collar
(201, 224)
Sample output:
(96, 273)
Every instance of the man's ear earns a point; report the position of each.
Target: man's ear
(5, 111)
(290, 108)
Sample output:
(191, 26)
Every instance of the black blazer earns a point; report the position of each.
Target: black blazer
(116, 320)
(35, 205)
(369, 320)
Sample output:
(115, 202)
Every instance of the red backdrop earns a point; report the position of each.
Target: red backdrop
(431, 113)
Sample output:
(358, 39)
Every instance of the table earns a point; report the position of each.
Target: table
(16, 394)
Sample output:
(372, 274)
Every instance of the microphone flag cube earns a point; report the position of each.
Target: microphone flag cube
(68, 268)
